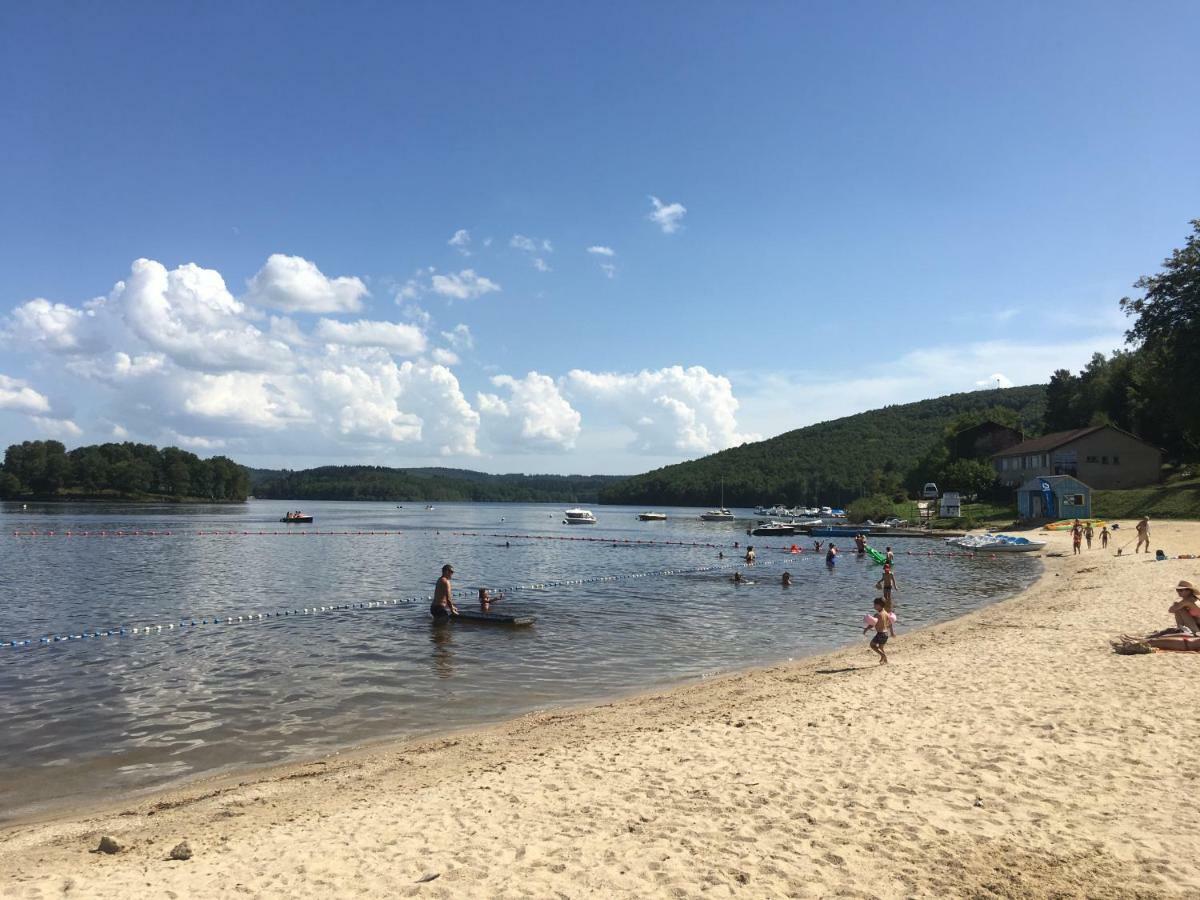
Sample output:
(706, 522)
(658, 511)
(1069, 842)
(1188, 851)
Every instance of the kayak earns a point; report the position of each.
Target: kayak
(1068, 524)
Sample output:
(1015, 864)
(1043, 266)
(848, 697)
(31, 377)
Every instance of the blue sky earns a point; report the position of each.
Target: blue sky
(859, 204)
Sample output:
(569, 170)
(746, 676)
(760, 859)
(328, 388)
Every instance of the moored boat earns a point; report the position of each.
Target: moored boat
(652, 517)
(579, 517)
(773, 529)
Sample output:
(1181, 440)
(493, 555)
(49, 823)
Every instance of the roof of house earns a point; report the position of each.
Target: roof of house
(1033, 484)
(1049, 441)
(987, 423)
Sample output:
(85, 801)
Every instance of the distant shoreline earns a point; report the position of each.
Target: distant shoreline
(123, 498)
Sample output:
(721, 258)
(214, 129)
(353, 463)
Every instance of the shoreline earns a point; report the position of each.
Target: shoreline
(1009, 764)
(248, 773)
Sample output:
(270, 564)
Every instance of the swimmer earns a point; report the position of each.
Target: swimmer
(787, 579)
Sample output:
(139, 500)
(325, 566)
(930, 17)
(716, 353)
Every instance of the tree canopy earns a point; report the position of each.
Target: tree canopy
(126, 470)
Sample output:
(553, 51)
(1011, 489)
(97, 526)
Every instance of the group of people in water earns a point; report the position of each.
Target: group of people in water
(443, 607)
(884, 618)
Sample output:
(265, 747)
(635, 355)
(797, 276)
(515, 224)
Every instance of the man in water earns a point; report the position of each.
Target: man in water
(787, 579)
(749, 556)
(443, 606)
(1143, 534)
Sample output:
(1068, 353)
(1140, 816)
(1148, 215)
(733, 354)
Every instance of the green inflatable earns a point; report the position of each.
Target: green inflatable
(877, 556)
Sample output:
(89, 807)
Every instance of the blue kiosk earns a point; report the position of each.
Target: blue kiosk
(1054, 497)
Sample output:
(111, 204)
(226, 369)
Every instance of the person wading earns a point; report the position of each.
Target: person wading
(443, 606)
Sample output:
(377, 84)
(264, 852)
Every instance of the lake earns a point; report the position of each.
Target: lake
(103, 716)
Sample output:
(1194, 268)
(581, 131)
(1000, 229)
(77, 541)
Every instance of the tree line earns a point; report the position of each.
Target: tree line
(46, 469)
(404, 485)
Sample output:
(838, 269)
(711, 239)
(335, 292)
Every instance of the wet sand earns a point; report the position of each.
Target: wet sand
(1008, 753)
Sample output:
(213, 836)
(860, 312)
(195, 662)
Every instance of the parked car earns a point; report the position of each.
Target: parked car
(930, 491)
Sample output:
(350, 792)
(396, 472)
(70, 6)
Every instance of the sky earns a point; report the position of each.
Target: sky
(572, 238)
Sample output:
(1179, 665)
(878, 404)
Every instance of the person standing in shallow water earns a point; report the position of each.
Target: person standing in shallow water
(443, 606)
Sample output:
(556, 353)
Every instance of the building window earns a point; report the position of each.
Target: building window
(1104, 460)
(1092, 459)
(1116, 460)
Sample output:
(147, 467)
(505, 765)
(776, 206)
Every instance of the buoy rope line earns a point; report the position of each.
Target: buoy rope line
(190, 622)
(111, 532)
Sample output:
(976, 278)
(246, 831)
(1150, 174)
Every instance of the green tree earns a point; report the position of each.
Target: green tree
(1167, 326)
(967, 476)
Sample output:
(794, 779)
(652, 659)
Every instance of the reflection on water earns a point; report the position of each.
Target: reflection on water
(91, 717)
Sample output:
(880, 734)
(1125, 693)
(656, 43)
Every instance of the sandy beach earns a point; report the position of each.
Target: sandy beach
(1009, 753)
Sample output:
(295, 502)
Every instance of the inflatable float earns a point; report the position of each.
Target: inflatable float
(1068, 524)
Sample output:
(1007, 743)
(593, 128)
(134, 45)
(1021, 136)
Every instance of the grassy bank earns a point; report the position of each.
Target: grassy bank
(1175, 500)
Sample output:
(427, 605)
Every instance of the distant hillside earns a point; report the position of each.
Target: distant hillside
(381, 483)
(831, 462)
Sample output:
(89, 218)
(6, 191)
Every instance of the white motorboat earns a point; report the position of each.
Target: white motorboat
(652, 517)
(579, 517)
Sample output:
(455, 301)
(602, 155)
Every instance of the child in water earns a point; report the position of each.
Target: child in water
(882, 622)
(831, 555)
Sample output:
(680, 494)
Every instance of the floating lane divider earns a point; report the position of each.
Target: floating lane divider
(108, 533)
(189, 623)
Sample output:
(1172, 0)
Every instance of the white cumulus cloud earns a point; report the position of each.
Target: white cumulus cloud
(294, 284)
(599, 250)
(534, 415)
(461, 241)
(56, 327)
(674, 410)
(18, 396)
(459, 337)
(396, 337)
(444, 357)
(995, 380)
(465, 285)
(56, 428)
(667, 216)
(188, 314)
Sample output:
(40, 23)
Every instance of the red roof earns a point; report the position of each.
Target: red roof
(1049, 441)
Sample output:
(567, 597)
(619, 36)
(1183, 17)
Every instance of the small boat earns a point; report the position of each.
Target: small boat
(297, 519)
(579, 517)
(835, 531)
(491, 618)
(429, 507)
(718, 515)
(652, 517)
(773, 529)
(995, 543)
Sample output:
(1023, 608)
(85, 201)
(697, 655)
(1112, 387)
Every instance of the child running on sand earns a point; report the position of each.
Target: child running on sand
(882, 623)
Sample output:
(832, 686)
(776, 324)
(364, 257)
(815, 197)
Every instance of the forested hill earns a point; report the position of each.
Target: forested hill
(380, 483)
(831, 462)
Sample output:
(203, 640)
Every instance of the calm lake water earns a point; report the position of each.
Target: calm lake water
(88, 718)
